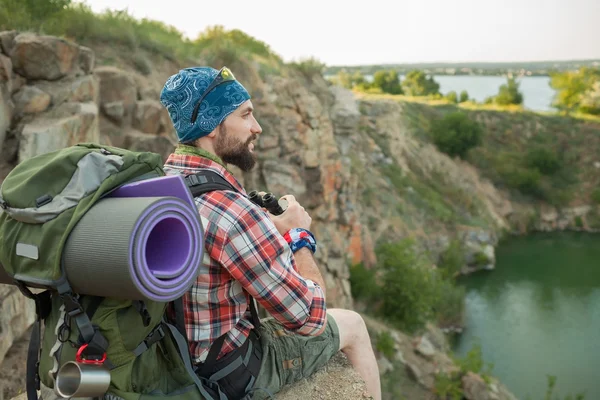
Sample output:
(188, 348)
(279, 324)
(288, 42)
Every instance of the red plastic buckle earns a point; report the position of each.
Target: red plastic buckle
(79, 359)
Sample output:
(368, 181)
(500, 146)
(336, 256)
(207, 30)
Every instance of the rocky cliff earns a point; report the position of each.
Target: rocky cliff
(360, 167)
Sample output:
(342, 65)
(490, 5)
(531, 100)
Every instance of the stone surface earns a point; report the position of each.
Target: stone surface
(7, 41)
(115, 110)
(5, 69)
(87, 59)
(161, 144)
(148, 116)
(116, 85)
(6, 111)
(31, 100)
(71, 89)
(43, 57)
(45, 135)
(336, 381)
(425, 348)
(475, 388)
(17, 313)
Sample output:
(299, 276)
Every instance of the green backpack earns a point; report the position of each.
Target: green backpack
(147, 356)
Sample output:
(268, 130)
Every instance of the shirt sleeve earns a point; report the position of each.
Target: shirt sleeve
(257, 256)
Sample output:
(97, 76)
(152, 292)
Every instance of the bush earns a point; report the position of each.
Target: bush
(525, 180)
(78, 22)
(449, 386)
(451, 260)
(455, 134)
(409, 287)
(450, 307)
(544, 160)
(309, 67)
(362, 283)
(452, 97)
(464, 96)
(385, 344)
(480, 259)
(596, 196)
(473, 362)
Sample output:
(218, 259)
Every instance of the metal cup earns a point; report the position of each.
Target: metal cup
(82, 380)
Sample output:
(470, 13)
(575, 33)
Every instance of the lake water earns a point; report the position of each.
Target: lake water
(536, 90)
(538, 314)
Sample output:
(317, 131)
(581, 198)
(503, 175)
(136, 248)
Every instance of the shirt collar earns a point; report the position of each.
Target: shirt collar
(185, 150)
(194, 158)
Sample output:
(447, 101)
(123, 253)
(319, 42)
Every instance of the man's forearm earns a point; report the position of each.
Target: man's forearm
(307, 267)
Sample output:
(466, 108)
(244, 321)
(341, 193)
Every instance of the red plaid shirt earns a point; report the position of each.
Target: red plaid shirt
(244, 252)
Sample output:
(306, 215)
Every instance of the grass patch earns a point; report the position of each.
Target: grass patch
(77, 22)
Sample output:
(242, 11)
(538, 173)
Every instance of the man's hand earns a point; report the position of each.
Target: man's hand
(295, 216)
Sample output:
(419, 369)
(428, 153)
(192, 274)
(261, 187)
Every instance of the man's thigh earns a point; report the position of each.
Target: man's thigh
(288, 357)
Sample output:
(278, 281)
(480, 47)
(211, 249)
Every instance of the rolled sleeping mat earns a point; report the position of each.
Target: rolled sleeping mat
(135, 248)
(172, 185)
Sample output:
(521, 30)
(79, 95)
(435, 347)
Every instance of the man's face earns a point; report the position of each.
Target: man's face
(234, 142)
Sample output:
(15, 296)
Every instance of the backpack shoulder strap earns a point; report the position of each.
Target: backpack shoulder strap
(207, 181)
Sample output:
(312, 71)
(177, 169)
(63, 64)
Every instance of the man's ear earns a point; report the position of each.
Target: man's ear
(213, 133)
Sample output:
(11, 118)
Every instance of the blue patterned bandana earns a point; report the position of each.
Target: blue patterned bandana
(180, 96)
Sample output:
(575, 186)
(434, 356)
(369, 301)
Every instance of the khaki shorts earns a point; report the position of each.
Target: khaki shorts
(289, 357)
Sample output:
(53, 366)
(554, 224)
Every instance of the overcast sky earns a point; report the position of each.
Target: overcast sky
(388, 31)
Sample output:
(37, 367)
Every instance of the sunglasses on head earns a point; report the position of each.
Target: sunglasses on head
(224, 75)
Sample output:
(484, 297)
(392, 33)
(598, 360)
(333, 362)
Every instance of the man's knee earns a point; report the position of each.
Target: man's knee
(351, 325)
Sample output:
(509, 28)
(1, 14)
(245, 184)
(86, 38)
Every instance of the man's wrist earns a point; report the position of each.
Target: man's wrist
(298, 238)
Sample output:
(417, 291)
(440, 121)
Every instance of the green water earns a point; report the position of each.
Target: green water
(538, 314)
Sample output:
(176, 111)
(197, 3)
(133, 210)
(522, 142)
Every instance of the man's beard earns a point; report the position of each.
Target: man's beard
(232, 151)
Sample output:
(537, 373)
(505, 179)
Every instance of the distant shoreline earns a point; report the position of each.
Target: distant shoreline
(522, 68)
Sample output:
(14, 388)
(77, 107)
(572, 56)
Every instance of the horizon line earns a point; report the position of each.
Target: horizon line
(470, 62)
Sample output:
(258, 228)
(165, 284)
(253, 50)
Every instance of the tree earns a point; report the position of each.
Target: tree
(417, 83)
(574, 88)
(359, 82)
(464, 96)
(455, 134)
(590, 102)
(452, 97)
(387, 81)
(509, 93)
(343, 79)
(355, 81)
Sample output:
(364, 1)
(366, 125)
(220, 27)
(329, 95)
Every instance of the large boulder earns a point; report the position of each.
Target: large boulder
(80, 89)
(87, 59)
(17, 313)
(148, 116)
(116, 87)
(6, 110)
(43, 57)
(31, 100)
(7, 40)
(161, 144)
(5, 69)
(77, 123)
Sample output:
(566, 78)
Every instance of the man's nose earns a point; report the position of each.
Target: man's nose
(256, 128)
